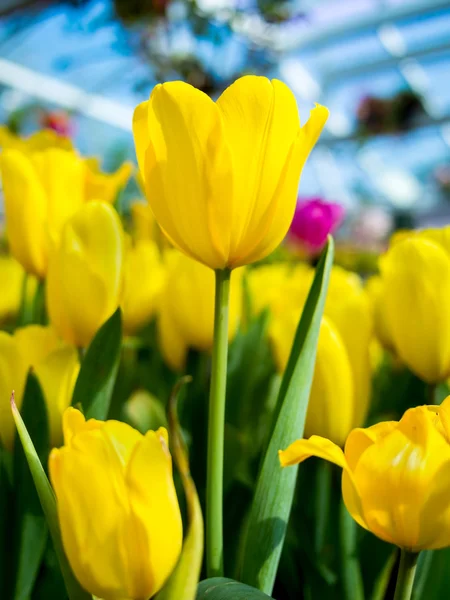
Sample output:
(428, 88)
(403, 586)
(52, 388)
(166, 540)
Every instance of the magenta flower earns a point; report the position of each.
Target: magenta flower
(313, 220)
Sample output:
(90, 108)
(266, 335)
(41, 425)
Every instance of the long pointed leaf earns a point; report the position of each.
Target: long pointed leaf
(219, 588)
(275, 487)
(29, 523)
(182, 584)
(95, 382)
(48, 503)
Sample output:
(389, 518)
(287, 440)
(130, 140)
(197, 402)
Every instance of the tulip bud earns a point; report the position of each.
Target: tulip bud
(186, 318)
(313, 221)
(84, 281)
(113, 483)
(12, 278)
(340, 391)
(395, 476)
(143, 221)
(415, 273)
(55, 365)
(222, 177)
(144, 278)
(42, 190)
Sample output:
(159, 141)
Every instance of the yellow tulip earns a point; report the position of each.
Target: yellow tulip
(42, 190)
(395, 479)
(375, 290)
(12, 279)
(340, 392)
(143, 221)
(117, 506)
(416, 287)
(144, 277)
(55, 365)
(105, 186)
(40, 140)
(84, 283)
(186, 317)
(222, 177)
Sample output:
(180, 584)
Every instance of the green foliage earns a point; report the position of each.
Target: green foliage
(95, 383)
(275, 488)
(219, 588)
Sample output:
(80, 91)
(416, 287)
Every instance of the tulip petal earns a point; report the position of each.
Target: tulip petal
(323, 448)
(261, 126)
(62, 174)
(396, 478)
(13, 374)
(144, 278)
(348, 307)
(416, 275)
(85, 273)
(26, 212)
(141, 134)
(36, 342)
(331, 404)
(158, 529)
(360, 439)
(57, 374)
(191, 202)
(80, 490)
(316, 445)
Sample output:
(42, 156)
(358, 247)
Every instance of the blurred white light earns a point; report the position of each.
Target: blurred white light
(415, 75)
(299, 79)
(209, 6)
(392, 39)
(339, 124)
(66, 95)
(13, 99)
(400, 187)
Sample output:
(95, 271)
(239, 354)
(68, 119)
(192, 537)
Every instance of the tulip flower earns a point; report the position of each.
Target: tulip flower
(186, 317)
(395, 476)
(313, 221)
(105, 186)
(415, 274)
(55, 365)
(143, 221)
(144, 277)
(340, 392)
(42, 190)
(222, 177)
(12, 278)
(375, 290)
(84, 283)
(40, 140)
(118, 510)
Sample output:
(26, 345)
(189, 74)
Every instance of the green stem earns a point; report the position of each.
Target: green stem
(352, 582)
(406, 573)
(24, 318)
(431, 390)
(216, 422)
(39, 311)
(323, 503)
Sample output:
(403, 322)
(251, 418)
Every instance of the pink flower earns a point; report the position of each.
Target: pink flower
(313, 220)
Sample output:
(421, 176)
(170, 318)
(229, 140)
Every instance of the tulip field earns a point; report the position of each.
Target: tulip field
(198, 400)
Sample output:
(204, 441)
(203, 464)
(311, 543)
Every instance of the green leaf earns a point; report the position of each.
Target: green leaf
(182, 583)
(48, 503)
(30, 528)
(6, 533)
(95, 382)
(275, 487)
(219, 588)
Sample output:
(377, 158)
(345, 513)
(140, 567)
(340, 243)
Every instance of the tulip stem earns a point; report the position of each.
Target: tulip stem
(406, 573)
(216, 423)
